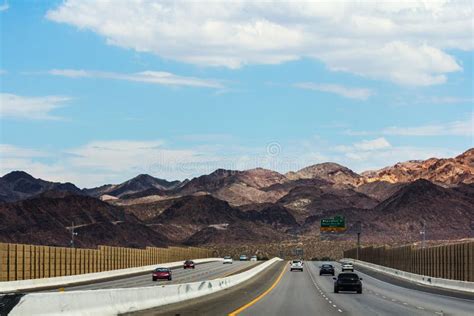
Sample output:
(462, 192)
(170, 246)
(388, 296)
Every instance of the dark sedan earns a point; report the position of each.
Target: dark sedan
(326, 269)
(348, 282)
(161, 273)
(188, 264)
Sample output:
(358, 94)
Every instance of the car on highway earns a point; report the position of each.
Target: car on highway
(326, 269)
(253, 258)
(161, 274)
(348, 282)
(188, 264)
(227, 259)
(243, 258)
(296, 265)
(347, 266)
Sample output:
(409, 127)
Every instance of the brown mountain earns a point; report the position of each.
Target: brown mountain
(447, 212)
(236, 187)
(18, 185)
(379, 190)
(328, 171)
(449, 171)
(305, 201)
(140, 183)
(47, 218)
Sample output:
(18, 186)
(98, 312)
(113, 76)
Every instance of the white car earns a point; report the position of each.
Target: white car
(347, 267)
(296, 265)
(253, 258)
(227, 259)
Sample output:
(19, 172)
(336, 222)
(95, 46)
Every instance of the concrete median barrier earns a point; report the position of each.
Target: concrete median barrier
(57, 282)
(118, 301)
(456, 285)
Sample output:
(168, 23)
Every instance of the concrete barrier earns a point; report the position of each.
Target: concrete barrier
(456, 285)
(118, 301)
(36, 284)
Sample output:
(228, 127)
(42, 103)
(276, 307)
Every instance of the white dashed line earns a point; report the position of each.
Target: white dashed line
(384, 296)
(339, 311)
(405, 303)
(334, 306)
(419, 307)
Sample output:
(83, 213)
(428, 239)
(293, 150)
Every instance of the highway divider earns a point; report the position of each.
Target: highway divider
(124, 300)
(58, 282)
(456, 285)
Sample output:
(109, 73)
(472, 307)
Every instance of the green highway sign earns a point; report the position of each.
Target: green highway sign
(337, 223)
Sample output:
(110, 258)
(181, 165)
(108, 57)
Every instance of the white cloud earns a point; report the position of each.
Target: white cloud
(352, 93)
(114, 161)
(407, 42)
(4, 7)
(34, 108)
(378, 143)
(454, 128)
(154, 77)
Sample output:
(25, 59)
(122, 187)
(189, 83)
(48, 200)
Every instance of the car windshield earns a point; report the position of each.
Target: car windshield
(348, 276)
(162, 270)
(189, 262)
(296, 262)
(327, 266)
(227, 257)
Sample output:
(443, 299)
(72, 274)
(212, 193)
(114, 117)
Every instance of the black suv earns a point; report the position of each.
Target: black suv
(326, 269)
(348, 282)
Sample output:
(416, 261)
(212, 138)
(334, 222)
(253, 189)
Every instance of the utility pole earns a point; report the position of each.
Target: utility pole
(423, 234)
(73, 233)
(358, 226)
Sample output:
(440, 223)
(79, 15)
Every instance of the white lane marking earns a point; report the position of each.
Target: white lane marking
(419, 307)
(439, 313)
(340, 311)
(405, 303)
(330, 302)
(384, 296)
(334, 306)
(326, 298)
(394, 300)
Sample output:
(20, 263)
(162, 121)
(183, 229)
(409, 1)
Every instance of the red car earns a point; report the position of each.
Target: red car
(161, 273)
(188, 264)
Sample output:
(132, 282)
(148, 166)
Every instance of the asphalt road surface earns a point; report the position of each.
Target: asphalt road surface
(308, 293)
(205, 271)
(281, 292)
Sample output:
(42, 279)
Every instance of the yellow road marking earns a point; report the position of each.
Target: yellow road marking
(258, 298)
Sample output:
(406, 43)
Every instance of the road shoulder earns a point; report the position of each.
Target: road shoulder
(223, 302)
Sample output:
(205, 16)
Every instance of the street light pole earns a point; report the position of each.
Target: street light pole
(423, 233)
(73, 233)
(358, 230)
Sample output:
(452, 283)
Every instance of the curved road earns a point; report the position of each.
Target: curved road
(307, 293)
(205, 271)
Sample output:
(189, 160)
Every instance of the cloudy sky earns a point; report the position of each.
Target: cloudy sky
(96, 92)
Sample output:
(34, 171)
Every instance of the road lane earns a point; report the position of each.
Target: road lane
(204, 271)
(382, 298)
(295, 294)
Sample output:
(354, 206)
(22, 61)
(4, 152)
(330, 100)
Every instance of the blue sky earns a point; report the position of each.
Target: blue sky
(97, 92)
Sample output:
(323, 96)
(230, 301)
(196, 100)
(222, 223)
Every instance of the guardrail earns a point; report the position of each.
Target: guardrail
(456, 285)
(58, 282)
(118, 301)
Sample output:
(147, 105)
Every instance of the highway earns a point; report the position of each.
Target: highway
(202, 272)
(280, 292)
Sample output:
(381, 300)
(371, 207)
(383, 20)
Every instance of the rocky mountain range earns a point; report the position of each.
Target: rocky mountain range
(229, 206)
